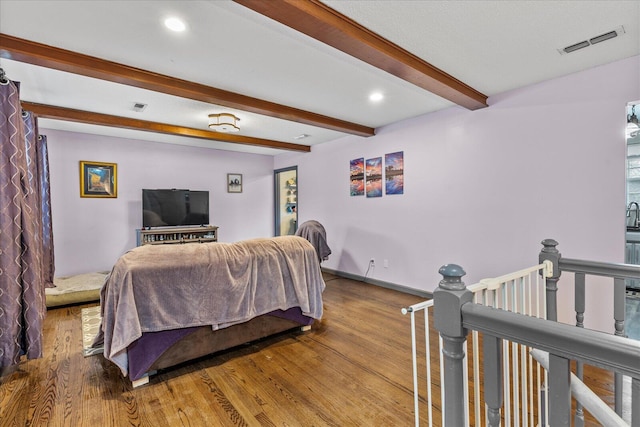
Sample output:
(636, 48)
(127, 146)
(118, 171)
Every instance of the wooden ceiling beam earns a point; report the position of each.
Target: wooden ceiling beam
(327, 25)
(65, 60)
(80, 116)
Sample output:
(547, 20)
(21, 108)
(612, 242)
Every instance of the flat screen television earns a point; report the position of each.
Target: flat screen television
(173, 207)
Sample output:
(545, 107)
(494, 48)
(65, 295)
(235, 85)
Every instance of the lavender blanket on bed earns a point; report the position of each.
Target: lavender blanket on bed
(160, 287)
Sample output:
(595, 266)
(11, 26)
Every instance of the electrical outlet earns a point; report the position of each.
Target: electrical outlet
(385, 263)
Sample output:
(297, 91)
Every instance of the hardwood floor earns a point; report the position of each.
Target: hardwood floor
(352, 369)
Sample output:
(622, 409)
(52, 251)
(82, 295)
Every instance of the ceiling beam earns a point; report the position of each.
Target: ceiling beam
(80, 116)
(327, 25)
(65, 60)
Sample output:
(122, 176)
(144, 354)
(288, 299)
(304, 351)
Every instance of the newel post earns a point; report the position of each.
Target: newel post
(550, 252)
(448, 299)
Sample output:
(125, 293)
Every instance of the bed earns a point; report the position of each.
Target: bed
(162, 305)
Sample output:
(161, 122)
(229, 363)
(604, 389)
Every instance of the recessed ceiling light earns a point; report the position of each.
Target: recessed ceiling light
(175, 24)
(376, 97)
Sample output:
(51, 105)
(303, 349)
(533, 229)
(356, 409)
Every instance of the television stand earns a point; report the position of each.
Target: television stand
(177, 235)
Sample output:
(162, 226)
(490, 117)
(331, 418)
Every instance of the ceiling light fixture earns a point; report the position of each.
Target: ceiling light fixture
(175, 24)
(301, 136)
(376, 97)
(224, 122)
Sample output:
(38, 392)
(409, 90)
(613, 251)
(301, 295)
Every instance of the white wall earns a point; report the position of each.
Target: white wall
(90, 234)
(483, 188)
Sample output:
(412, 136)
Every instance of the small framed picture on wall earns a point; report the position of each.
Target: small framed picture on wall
(234, 183)
(98, 179)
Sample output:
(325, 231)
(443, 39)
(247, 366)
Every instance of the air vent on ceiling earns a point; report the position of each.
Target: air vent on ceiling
(603, 37)
(576, 46)
(139, 107)
(597, 39)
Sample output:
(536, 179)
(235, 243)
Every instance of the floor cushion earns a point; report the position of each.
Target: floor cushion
(76, 289)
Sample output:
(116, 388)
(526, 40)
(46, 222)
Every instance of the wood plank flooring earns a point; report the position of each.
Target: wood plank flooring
(352, 369)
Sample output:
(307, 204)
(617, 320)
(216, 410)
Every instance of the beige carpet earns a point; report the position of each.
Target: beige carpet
(90, 324)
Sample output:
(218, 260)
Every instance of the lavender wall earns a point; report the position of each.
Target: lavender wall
(90, 234)
(483, 188)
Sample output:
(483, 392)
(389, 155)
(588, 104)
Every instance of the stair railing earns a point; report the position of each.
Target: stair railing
(582, 268)
(455, 314)
(522, 292)
(523, 395)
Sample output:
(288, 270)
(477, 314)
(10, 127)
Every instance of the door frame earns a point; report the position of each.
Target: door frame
(276, 198)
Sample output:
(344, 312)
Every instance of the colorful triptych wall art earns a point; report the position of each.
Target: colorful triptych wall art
(357, 177)
(373, 174)
(394, 173)
(368, 176)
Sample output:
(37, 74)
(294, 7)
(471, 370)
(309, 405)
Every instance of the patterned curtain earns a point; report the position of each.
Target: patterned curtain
(38, 173)
(22, 279)
(48, 261)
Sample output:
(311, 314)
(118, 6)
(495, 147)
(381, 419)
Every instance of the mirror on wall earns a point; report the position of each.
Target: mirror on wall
(286, 201)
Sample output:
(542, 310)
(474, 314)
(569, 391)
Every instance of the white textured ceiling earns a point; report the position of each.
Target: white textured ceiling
(495, 46)
(492, 46)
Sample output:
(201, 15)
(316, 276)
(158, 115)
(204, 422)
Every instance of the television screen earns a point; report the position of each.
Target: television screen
(164, 208)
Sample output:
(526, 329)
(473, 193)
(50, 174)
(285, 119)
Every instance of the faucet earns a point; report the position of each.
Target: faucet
(636, 221)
